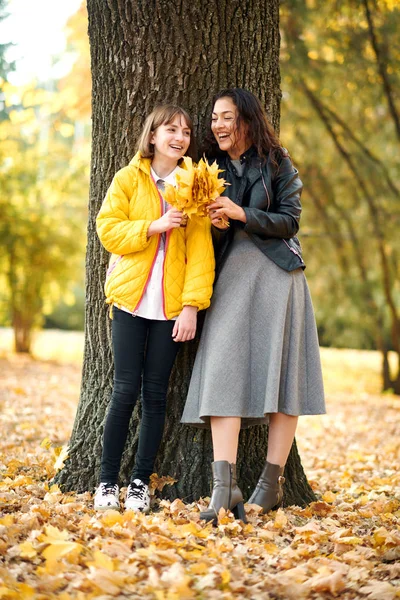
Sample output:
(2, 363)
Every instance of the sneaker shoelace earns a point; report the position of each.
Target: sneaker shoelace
(109, 488)
(137, 491)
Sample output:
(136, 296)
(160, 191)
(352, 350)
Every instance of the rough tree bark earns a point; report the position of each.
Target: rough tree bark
(143, 53)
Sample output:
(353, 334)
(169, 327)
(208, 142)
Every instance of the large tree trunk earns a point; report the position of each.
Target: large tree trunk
(142, 53)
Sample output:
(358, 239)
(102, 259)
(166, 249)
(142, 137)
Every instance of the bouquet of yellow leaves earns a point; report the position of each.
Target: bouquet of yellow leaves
(197, 186)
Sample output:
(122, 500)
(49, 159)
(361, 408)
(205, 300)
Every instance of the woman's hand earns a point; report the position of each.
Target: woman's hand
(223, 207)
(219, 221)
(185, 325)
(170, 220)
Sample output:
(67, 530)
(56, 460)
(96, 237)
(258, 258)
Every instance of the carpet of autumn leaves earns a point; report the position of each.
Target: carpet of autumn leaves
(53, 545)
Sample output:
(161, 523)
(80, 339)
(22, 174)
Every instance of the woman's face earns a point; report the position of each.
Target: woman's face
(230, 138)
(171, 140)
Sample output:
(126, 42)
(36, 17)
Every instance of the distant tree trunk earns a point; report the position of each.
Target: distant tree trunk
(22, 320)
(143, 53)
(22, 333)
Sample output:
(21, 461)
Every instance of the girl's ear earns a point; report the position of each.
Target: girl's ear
(151, 140)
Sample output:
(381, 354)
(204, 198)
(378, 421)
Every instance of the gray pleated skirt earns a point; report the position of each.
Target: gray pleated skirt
(259, 351)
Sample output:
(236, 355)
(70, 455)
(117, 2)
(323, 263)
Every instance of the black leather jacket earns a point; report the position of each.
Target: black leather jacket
(270, 197)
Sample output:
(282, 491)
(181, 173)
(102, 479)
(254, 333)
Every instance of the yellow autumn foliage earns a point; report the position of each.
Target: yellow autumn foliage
(53, 544)
(196, 187)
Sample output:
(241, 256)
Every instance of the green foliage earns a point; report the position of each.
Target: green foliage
(340, 67)
(44, 159)
(69, 313)
(43, 177)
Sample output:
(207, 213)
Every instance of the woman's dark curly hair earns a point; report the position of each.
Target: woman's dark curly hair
(260, 131)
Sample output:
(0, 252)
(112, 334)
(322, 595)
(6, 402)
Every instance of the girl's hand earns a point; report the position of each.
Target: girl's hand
(185, 325)
(223, 207)
(170, 220)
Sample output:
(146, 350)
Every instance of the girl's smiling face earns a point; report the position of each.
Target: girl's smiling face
(171, 140)
(224, 125)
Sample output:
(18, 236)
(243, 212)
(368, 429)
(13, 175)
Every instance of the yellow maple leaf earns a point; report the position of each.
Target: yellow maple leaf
(329, 497)
(112, 517)
(351, 540)
(158, 483)
(271, 548)
(200, 568)
(61, 455)
(280, 519)
(196, 187)
(25, 592)
(225, 576)
(192, 528)
(26, 550)
(54, 489)
(58, 544)
(53, 534)
(101, 561)
(58, 549)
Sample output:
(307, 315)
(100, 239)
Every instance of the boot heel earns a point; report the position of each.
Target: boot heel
(239, 512)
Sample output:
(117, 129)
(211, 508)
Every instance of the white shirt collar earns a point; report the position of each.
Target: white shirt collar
(168, 179)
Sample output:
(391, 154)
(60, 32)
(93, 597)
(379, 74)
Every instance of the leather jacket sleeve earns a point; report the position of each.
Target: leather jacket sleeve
(218, 235)
(283, 221)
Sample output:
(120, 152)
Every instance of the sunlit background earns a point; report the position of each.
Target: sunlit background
(38, 34)
(45, 156)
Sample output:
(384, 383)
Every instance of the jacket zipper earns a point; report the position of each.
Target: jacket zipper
(148, 279)
(155, 256)
(167, 236)
(163, 276)
(269, 204)
(293, 250)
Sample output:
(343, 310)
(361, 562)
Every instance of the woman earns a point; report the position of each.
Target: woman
(258, 359)
(160, 275)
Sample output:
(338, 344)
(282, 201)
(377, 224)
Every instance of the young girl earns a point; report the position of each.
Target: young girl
(160, 275)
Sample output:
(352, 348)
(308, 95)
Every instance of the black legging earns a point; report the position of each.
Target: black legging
(139, 345)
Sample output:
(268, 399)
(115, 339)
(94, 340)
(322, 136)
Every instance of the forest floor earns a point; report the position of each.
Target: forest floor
(345, 545)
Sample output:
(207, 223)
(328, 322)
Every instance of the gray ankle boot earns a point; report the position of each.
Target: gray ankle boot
(269, 492)
(226, 493)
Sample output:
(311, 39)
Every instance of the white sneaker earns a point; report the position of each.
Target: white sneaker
(138, 497)
(106, 496)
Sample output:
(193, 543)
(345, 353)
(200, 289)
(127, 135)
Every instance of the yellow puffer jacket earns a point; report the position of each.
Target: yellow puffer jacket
(131, 204)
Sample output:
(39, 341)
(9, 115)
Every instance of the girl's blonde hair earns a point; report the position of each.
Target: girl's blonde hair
(163, 114)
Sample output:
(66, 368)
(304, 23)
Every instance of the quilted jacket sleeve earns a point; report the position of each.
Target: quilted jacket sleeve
(117, 232)
(284, 221)
(200, 264)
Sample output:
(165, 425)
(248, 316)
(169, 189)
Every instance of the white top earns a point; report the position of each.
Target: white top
(151, 304)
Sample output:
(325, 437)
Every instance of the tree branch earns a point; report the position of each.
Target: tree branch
(374, 211)
(382, 69)
(392, 186)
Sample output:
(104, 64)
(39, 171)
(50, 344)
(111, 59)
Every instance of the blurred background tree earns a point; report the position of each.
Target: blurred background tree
(340, 69)
(44, 166)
